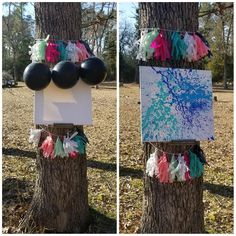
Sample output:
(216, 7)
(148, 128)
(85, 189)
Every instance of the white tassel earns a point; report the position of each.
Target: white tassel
(34, 137)
(182, 168)
(141, 42)
(33, 53)
(72, 52)
(191, 51)
(151, 165)
(70, 145)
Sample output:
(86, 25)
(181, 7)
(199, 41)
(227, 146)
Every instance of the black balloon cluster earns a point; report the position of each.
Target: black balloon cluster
(65, 74)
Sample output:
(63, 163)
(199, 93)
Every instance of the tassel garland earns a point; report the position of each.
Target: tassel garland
(53, 51)
(182, 167)
(70, 146)
(190, 47)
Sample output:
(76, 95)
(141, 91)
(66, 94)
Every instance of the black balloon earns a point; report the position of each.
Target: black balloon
(93, 71)
(37, 76)
(65, 74)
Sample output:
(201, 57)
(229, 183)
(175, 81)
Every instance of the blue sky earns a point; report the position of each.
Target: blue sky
(127, 12)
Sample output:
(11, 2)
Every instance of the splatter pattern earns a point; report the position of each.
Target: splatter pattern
(176, 104)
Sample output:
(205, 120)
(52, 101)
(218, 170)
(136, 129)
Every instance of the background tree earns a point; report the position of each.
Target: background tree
(99, 30)
(60, 201)
(176, 207)
(216, 21)
(127, 52)
(109, 53)
(16, 36)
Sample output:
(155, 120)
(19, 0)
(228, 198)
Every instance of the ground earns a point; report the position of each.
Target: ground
(19, 158)
(19, 161)
(218, 177)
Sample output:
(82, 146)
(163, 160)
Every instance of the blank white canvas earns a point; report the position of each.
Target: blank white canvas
(55, 105)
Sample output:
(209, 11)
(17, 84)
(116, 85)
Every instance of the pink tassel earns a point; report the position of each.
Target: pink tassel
(202, 49)
(47, 147)
(187, 162)
(52, 55)
(73, 155)
(163, 169)
(83, 54)
(162, 47)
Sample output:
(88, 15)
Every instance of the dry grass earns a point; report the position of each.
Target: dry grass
(218, 178)
(19, 158)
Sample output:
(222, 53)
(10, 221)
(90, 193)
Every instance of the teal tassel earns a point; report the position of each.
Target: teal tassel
(178, 47)
(62, 49)
(58, 149)
(81, 142)
(196, 167)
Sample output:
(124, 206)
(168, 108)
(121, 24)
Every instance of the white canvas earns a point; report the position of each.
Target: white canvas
(66, 106)
(176, 104)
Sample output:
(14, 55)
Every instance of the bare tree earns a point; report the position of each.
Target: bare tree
(176, 207)
(60, 201)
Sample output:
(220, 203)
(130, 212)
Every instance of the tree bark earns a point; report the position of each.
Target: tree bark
(60, 201)
(176, 207)
(225, 54)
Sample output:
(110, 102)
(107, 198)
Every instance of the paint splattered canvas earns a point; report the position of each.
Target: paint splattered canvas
(176, 104)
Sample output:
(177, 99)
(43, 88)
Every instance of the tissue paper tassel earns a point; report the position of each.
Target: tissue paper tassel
(34, 137)
(162, 47)
(172, 168)
(147, 44)
(58, 149)
(62, 50)
(181, 168)
(72, 52)
(202, 49)
(52, 55)
(163, 169)
(47, 147)
(69, 145)
(81, 143)
(83, 53)
(187, 162)
(191, 51)
(141, 42)
(178, 47)
(151, 165)
(196, 167)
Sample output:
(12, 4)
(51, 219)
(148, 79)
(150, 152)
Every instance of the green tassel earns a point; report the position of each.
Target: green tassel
(196, 167)
(58, 149)
(41, 50)
(81, 142)
(147, 42)
(172, 168)
(178, 47)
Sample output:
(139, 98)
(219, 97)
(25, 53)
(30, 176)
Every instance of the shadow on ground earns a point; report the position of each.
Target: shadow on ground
(124, 171)
(223, 190)
(100, 223)
(18, 152)
(16, 191)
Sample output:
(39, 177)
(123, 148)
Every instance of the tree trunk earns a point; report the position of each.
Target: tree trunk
(176, 207)
(225, 54)
(60, 201)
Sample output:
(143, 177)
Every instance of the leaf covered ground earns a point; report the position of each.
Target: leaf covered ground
(19, 158)
(218, 177)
